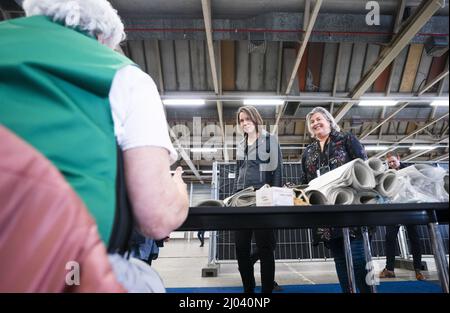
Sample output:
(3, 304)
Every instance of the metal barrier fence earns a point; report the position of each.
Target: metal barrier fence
(296, 243)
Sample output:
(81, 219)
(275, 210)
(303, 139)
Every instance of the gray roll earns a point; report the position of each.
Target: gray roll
(218, 203)
(245, 197)
(376, 165)
(366, 197)
(341, 196)
(355, 174)
(316, 197)
(387, 184)
(362, 177)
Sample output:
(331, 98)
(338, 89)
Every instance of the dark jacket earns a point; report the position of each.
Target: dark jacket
(260, 164)
(340, 149)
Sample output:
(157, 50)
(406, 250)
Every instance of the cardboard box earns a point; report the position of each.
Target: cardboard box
(274, 196)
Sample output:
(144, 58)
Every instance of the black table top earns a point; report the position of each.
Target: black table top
(228, 218)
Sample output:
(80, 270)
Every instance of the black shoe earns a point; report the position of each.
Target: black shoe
(276, 287)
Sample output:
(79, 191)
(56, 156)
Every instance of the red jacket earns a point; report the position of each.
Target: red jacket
(43, 226)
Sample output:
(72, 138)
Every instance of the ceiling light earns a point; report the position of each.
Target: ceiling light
(376, 148)
(439, 103)
(373, 103)
(413, 148)
(204, 150)
(184, 101)
(208, 172)
(263, 102)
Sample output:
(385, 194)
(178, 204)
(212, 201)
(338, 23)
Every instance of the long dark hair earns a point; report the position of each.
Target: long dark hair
(255, 117)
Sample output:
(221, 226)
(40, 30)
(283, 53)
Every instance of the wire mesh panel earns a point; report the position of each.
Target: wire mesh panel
(297, 243)
(377, 241)
(291, 243)
(424, 236)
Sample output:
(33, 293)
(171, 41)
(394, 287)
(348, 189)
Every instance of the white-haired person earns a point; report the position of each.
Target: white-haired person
(330, 149)
(66, 92)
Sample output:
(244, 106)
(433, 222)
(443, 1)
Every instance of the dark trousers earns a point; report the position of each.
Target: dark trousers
(391, 239)
(265, 243)
(201, 237)
(359, 264)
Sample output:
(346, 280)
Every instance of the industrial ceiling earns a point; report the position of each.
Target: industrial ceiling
(307, 53)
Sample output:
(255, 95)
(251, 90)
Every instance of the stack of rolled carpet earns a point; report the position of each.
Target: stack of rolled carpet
(355, 182)
(245, 197)
(361, 182)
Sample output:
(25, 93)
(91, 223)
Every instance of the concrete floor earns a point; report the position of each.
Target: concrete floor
(180, 264)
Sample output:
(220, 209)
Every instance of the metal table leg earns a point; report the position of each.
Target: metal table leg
(439, 255)
(371, 281)
(401, 237)
(349, 260)
(212, 247)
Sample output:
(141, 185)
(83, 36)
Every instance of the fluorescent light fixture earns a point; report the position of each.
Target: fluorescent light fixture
(373, 103)
(173, 172)
(439, 103)
(184, 101)
(376, 148)
(263, 102)
(208, 172)
(204, 150)
(291, 148)
(414, 148)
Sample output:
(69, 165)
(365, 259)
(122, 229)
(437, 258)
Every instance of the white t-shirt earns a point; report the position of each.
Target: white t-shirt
(137, 112)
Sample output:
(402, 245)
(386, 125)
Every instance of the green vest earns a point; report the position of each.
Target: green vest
(54, 87)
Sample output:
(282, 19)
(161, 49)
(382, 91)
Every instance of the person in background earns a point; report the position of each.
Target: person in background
(393, 162)
(201, 237)
(145, 249)
(67, 92)
(259, 162)
(330, 149)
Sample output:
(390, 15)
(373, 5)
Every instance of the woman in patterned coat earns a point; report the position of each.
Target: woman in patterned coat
(330, 149)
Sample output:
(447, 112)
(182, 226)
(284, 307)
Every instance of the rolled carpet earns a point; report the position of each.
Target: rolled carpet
(218, 203)
(376, 165)
(342, 195)
(316, 197)
(366, 197)
(387, 183)
(245, 197)
(355, 174)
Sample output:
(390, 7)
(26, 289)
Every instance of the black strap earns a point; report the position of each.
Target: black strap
(123, 219)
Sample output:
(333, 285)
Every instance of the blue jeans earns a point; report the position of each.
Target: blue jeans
(359, 264)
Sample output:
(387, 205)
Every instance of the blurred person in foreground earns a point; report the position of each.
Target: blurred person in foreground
(65, 91)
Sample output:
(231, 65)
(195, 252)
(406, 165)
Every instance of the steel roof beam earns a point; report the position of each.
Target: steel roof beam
(311, 20)
(412, 26)
(395, 145)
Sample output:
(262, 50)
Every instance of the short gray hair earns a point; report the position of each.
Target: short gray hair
(96, 17)
(327, 115)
